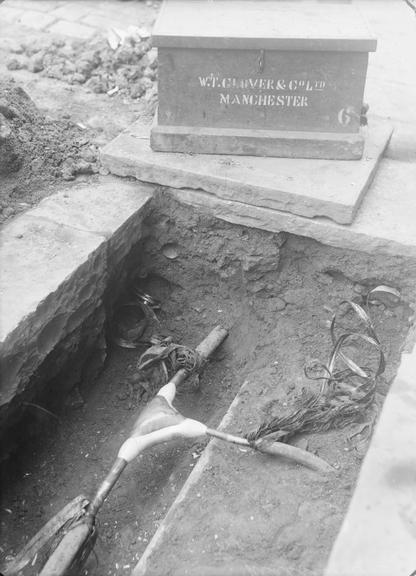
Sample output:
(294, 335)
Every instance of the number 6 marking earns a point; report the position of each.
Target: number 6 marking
(344, 118)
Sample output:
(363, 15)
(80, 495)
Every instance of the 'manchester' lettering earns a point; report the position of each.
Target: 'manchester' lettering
(262, 91)
(264, 99)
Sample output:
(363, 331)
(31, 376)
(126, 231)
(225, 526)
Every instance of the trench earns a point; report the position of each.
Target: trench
(275, 294)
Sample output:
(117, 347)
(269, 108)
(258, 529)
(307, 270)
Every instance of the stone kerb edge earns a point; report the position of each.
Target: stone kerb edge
(86, 260)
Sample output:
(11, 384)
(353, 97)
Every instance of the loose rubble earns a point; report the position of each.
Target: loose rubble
(124, 63)
(36, 149)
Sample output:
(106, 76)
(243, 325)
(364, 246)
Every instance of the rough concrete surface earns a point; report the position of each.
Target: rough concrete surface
(300, 186)
(56, 263)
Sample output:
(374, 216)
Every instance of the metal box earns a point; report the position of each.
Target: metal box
(261, 77)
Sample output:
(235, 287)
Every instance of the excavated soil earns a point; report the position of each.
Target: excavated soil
(36, 152)
(275, 293)
(69, 98)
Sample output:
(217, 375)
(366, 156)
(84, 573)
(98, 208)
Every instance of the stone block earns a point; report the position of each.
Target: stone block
(37, 20)
(313, 188)
(106, 21)
(102, 208)
(36, 5)
(71, 11)
(72, 29)
(132, 13)
(49, 272)
(57, 262)
(112, 209)
(10, 14)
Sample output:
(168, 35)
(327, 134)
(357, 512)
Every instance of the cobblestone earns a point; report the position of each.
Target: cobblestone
(75, 19)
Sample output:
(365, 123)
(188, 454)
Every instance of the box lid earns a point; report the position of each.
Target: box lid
(262, 24)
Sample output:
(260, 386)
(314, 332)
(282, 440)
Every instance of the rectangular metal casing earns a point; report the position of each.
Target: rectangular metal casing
(260, 78)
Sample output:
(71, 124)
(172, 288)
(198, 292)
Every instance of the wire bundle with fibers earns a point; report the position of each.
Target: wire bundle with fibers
(166, 358)
(346, 394)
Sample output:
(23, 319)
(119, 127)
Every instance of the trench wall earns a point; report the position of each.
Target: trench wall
(63, 264)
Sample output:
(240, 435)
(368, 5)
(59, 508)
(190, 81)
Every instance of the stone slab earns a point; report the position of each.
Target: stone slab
(101, 208)
(311, 188)
(73, 29)
(378, 535)
(39, 293)
(38, 255)
(37, 20)
(38, 5)
(10, 14)
(385, 224)
(73, 11)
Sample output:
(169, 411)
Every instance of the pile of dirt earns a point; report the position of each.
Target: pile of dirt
(36, 151)
(124, 63)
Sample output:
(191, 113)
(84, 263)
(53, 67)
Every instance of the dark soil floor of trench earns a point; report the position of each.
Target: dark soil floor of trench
(275, 293)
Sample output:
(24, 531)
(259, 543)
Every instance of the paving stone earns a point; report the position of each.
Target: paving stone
(57, 261)
(105, 21)
(37, 5)
(38, 293)
(72, 11)
(37, 20)
(135, 13)
(91, 208)
(72, 29)
(312, 188)
(9, 14)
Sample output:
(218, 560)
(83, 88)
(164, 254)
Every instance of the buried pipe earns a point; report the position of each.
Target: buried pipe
(276, 449)
(72, 532)
(74, 537)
